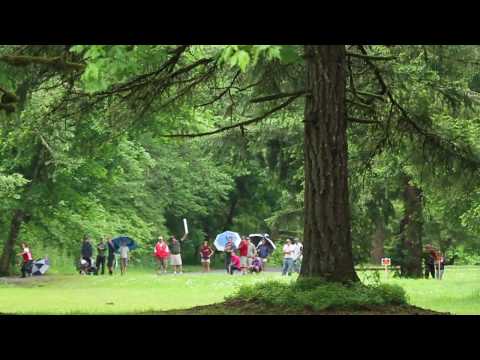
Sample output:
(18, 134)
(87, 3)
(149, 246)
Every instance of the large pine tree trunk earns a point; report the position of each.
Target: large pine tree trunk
(411, 230)
(378, 242)
(9, 246)
(327, 232)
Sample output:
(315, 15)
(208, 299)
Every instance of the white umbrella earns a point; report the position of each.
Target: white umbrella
(40, 267)
(222, 239)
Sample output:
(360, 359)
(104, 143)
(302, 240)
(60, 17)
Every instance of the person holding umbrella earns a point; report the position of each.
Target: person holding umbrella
(229, 249)
(263, 252)
(227, 242)
(124, 250)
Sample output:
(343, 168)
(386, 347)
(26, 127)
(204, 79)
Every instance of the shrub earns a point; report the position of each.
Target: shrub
(319, 295)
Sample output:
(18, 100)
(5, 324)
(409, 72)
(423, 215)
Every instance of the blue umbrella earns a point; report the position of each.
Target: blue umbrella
(117, 242)
(222, 239)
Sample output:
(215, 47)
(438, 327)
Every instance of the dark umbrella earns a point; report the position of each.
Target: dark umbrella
(117, 242)
(257, 238)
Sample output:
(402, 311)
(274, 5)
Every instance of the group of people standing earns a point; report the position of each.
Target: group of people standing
(245, 258)
(163, 253)
(105, 251)
(292, 256)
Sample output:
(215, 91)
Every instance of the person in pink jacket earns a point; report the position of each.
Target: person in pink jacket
(162, 253)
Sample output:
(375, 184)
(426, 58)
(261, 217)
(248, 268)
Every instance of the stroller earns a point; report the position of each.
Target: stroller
(85, 269)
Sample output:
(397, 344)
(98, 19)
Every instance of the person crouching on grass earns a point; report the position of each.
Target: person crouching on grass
(123, 257)
(176, 254)
(206, 253)
(256, 265)
(234, 263)
(27, 260)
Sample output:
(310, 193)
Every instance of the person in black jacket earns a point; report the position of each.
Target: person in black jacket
(429, 261)
(87, 250)
(111, 255)
(101, 249)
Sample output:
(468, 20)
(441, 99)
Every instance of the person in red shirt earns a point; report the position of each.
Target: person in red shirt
(162, 253)
(243, 249)
(234, 263)
(205, 253)
(27, 260)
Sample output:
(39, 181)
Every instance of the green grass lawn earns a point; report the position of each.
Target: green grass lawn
(458, 292)
(143, 291)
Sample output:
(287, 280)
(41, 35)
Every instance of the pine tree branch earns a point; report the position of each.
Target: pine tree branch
(434, 139)
(362, 121)
(240, 124)
(58, 62)
(371, 57)
(277, 96)
(218, 97)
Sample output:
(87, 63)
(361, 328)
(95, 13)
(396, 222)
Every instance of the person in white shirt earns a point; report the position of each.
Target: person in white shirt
(123, 257)
(288, 253)
(297, 256)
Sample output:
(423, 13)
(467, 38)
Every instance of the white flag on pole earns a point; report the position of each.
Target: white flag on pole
(185, 226)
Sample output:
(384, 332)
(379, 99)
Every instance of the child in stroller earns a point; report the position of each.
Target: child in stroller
(86, 268)
(256, 265)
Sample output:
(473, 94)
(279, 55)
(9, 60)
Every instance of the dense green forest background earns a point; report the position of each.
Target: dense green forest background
(97, 140)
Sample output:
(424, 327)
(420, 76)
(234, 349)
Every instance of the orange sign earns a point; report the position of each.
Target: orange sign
(386, 261)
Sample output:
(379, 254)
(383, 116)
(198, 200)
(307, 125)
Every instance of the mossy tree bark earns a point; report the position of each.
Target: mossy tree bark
(327, 228)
